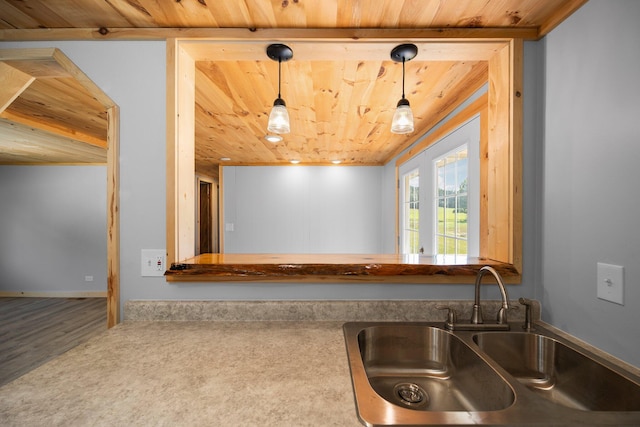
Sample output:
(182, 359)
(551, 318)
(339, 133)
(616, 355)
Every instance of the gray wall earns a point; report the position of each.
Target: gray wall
(302, 209)
(133, 75)
(591, 173)
(53, 228)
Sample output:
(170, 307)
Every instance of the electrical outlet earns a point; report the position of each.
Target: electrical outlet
(611, 283)
(153, 262)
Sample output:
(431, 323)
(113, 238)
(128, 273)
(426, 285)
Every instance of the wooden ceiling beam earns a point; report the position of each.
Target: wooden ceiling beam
(275, 34)
(343, 49)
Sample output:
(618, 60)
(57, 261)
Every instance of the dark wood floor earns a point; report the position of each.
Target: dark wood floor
(36, 330)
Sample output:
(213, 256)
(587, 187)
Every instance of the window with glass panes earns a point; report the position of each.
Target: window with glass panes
(451, 196)
(411, 213)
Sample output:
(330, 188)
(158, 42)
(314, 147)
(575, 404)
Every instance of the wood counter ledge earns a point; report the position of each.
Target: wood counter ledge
(333, 268)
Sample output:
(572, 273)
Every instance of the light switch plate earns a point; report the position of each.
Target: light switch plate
(611, 283)
(153, 262)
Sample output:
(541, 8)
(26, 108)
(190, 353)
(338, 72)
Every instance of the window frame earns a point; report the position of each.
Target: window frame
(464, 134)
(411, 167)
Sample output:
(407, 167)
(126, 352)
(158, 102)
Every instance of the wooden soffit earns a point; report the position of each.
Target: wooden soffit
(50, 112)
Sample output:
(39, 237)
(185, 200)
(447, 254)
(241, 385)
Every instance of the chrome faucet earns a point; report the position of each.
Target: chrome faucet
(476, 315)
(476, 323)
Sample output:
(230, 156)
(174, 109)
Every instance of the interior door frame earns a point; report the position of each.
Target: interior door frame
(113, 216)
(53, 59)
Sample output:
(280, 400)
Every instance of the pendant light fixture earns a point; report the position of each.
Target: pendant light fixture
(279, 117)
(403, 117)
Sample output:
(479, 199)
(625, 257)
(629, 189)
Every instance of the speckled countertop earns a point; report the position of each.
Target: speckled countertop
(214, 363)
(191, 374)
(211, 363)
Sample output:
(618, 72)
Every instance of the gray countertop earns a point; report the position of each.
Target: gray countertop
(192, 374)
(201, 363)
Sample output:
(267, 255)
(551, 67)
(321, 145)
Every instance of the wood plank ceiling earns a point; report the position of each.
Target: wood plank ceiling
(340, 105)
(47, 115)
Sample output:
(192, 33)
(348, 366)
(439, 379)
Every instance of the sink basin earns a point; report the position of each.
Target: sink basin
(418, 374)
(423, 368)
(558, 373)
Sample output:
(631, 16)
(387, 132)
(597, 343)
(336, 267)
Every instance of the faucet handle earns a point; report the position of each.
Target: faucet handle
(524, 301)
(528, 323)
(452, 317)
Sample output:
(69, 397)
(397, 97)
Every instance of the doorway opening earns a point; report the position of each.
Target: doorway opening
(207, 240)
(55, 114)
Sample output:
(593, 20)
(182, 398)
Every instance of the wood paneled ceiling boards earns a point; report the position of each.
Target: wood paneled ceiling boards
(340, 105)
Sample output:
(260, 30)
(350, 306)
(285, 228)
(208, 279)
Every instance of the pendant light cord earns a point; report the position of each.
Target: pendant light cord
(403, 60)
(279, 77)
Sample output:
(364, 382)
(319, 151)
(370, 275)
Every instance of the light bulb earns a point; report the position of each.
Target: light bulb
(279, 118)
(402, 118)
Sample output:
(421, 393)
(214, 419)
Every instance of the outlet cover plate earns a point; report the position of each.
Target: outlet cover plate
(611, 283)
(153, 262)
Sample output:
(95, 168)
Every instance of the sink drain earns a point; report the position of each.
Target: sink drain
(411, 395)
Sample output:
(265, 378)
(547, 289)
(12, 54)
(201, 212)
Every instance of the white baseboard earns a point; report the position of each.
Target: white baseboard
(67, 294)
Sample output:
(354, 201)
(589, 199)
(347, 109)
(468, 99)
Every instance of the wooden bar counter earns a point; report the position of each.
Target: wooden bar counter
(388, 268)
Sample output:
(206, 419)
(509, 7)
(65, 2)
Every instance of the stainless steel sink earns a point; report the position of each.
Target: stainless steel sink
(429, 369)
(416, 373)
(559, 373)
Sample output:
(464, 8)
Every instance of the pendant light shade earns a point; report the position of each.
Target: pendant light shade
(279, 116)
(403, 117)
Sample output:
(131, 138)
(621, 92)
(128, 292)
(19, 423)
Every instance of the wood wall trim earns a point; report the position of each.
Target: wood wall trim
(503, 158)
(113, 217)
(516, 119)
(497, 193)
(12, 83)
(172, 144)
(180, 153)
(82, 78)
(526, 33)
